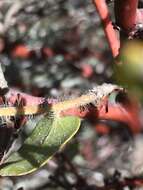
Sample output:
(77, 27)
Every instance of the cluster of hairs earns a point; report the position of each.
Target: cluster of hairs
(19, 108)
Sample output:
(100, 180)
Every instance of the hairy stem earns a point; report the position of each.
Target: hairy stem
(56, 108)
(96, 95)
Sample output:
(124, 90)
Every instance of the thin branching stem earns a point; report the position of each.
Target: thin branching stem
(111, 35)
(96, 95)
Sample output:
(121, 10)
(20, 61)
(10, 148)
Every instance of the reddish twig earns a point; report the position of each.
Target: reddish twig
(102, 9)
(23, 104)
(125, 14)
(85, 106)
(29, 100)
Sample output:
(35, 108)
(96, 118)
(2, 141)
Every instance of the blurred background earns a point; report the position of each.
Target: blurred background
(57, 48)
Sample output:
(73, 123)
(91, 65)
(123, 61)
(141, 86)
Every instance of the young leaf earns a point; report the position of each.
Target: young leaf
(46, 139)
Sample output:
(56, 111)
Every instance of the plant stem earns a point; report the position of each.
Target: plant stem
(113, 42)
(125, 13)
(94, 96)
(56, 108)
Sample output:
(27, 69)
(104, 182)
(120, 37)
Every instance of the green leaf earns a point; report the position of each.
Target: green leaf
(46, 139)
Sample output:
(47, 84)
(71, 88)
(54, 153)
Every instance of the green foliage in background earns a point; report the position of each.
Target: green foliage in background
(129, 71)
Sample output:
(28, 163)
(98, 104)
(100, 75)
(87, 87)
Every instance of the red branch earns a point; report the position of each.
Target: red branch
(13, 95)
(128, 114)
(102, 9)
(126, 13)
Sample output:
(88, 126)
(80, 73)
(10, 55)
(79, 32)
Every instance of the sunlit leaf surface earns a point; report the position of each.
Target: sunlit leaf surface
(46, 139)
